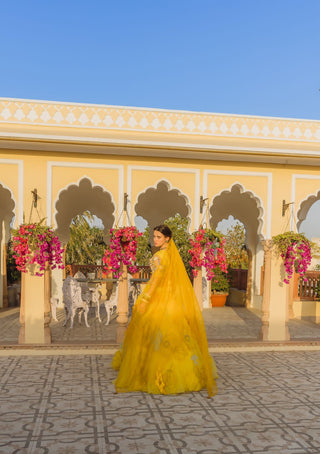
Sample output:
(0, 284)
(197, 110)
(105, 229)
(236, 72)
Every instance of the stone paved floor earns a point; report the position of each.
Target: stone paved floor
(222, 324)
(267, 402)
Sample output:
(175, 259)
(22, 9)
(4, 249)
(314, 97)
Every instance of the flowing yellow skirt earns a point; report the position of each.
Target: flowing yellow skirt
(165, 351)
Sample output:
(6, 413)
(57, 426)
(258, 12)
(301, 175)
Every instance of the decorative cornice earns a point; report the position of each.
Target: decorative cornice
(92, 116)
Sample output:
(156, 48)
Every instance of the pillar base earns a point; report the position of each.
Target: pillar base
(121, 330)
(22, 335)
(122, 319)
(47, 335)
(278, 334)
(47, 338)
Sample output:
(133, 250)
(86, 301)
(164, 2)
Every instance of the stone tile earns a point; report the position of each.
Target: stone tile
(267, 402)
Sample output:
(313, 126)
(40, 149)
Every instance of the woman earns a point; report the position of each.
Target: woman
(165, 349)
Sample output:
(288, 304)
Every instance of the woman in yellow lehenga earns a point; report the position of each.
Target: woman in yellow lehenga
(165, 349)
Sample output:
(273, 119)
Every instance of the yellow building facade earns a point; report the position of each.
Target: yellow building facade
(122, 162)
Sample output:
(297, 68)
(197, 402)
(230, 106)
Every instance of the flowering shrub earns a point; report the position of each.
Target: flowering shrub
(220, 282)
(36, 244)
(122, 249)
(207, 249)
(295, 250)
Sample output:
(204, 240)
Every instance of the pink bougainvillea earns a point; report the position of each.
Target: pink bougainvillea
(36, 244)
(295, 250)
(122, 249)
(207, 249)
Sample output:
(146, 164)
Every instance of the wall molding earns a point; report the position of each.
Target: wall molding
(120, 118)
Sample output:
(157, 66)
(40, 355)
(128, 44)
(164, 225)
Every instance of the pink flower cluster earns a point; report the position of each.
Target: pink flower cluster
(122, 249)
(36, 244)
(207, 249)
(297, 257)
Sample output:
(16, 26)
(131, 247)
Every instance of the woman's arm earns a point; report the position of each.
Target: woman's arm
(158, 268)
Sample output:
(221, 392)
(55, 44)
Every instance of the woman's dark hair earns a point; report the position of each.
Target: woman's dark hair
(164, 229)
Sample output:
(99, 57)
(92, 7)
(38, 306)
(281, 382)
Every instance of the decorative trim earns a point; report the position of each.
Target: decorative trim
(147, 144)
(19, 163)
(101, 117)
(88, 165)
(164, 170)
(268, 175)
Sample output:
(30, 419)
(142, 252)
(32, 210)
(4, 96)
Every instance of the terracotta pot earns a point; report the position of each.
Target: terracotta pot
(218, 299)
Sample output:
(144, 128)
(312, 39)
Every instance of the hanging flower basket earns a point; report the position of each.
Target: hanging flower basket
(122, 250)
(36, 244)
(207, 249)
(295, 250)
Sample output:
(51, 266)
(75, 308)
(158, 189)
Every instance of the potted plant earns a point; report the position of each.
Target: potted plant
(36, 245)
(122, 250)
(295, 251)
(207, 250)
(219, 288)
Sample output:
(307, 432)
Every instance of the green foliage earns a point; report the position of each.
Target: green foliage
(13, 275)
(86, 244)
(315, 250)
(286, 239)
(220, 282)
(144, 254)
(181, 236)
(295, 250)
(236, 254)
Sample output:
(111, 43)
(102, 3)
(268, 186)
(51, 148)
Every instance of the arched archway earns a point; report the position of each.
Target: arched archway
(304, 208)
(158, 203)
(7, 213)
(241, 204)
(7, 208)
(81, 197)
(76, 199)
(247, 207)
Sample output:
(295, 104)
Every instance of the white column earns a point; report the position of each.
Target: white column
(275, 303)
(56, 285)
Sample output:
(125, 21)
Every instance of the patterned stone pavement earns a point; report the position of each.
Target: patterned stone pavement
(59, 403)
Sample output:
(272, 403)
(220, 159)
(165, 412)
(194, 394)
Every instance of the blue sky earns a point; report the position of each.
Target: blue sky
(252, 57)
(255, 57)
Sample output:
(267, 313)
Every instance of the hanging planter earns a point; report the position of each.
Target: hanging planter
(122, 250)
(207, 249)
(295, 250)
(36, 244)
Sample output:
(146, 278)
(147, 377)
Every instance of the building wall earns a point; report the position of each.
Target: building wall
(247, 165)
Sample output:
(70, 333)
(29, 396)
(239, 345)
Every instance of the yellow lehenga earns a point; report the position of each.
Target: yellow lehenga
(165, 349)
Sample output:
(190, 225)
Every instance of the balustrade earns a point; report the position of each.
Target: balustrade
(308, 290)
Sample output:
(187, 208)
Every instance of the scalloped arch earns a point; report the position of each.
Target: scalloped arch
(161, 201)
(7, 208)
(305, 206)
(79, 197)
(243, 204)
